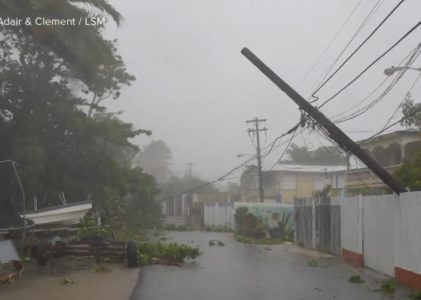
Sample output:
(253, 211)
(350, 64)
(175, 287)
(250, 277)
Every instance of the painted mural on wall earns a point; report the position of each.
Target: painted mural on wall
(269, 213)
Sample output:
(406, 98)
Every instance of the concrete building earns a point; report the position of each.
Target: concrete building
(286, 182)
(390, 150)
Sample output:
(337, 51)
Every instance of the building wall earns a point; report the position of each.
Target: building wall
(305, 184)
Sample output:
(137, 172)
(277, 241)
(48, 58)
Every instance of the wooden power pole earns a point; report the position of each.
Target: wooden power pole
(257, 130)
(334, 132)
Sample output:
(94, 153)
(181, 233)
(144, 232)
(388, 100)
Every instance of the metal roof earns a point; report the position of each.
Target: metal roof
(307, 168)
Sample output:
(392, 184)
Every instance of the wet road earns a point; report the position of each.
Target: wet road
(240, 272)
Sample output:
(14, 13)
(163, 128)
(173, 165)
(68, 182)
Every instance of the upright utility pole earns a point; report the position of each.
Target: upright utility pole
(257, 130)
(190, 165)
(334, 132)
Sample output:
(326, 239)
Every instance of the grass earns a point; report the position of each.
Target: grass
(355, 279)
(388, 287)
(415, 295)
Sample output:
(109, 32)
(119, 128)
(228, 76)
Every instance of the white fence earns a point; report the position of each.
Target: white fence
(218, 215)
(384, 234)
(408, 233)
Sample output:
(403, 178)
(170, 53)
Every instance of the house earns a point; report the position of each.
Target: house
(390, 150)
(285, 182)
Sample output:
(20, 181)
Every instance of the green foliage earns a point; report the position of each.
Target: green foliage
(355, 279)
(388, 287)
(172, 252)
(411, 112)
(312, 263)
(57, 145)
(282, 231)
(239, 218)
(330, 155)
(84, 50)
(410, 173)
(415, 295)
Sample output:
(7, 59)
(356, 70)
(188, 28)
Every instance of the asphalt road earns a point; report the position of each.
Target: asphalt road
(241, 272)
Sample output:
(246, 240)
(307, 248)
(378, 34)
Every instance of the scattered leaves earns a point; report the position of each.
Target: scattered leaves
(67, 281)
(355, 279)
(415, 295)
(101, 269)
(312, 263)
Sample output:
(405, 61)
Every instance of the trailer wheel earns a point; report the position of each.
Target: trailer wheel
(41, 254)
(131, 254)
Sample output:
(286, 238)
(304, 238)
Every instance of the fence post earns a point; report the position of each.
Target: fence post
(313, 223)
(361, 222)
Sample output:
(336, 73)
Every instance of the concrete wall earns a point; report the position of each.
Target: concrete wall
(264, 211)
(218, 215)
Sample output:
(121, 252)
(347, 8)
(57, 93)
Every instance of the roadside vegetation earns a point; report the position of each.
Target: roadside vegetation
(251, 230)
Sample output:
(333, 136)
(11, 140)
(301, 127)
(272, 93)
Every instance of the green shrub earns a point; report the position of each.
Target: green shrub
(171, 252)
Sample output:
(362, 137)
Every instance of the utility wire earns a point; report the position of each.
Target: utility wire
(356, 50)
(330, 43)
(323, 78)
(371, 64)
(407, 96)
(413, 56)
(286, 149)
(374, 90)
(271, 146)
(395, 123)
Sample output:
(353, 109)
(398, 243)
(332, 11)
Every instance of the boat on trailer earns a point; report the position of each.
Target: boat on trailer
(67, 214)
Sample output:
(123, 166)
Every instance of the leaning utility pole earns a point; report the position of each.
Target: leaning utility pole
(333, 131)
(257, 130)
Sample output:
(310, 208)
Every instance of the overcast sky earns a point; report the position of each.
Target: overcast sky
(195, 90)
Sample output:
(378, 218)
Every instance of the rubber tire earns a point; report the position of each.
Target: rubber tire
(131, 254)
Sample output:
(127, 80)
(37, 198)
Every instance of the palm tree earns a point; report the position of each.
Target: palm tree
(82, 48)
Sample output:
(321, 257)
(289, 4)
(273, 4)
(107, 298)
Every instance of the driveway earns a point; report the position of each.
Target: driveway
(242, 272)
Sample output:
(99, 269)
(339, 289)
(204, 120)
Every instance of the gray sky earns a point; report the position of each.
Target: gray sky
(195, 90)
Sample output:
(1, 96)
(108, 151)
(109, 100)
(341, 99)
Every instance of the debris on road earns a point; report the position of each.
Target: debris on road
(67, 281)
(312, 263)
(216, 242)
(355, 279)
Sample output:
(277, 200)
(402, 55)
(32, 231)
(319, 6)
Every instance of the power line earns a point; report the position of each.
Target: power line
(330, 43)
(365, 21)
(271, 146)
(286, 149)
(371, 64)
(356, 50)
(412, 57)
(397, 122)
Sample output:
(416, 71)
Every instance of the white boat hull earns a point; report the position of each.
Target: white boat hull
(66, 215)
